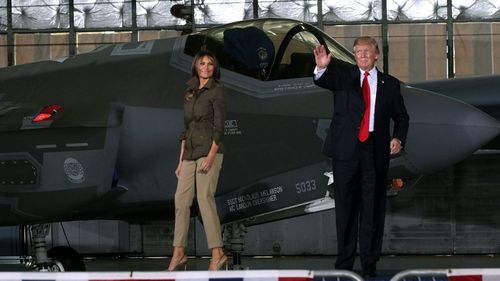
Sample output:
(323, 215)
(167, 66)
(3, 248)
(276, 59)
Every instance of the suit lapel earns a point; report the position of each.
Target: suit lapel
(358, 97)
(380, 92)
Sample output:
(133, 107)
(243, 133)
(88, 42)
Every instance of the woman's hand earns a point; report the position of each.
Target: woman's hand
(207, 163)
(178, 170)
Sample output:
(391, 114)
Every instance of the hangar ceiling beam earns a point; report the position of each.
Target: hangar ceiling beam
(385, 37)
(10, 35)
(449, 41)
(72, 34)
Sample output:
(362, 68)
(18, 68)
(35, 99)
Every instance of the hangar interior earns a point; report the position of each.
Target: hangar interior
(454, 211)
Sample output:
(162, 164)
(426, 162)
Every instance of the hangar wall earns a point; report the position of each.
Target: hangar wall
(417, 52)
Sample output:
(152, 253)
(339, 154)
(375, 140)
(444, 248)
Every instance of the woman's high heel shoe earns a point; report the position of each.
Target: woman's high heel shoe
(219, 264)
(175, 265)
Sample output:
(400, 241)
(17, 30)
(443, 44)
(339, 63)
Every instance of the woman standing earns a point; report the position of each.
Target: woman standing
(200, 159)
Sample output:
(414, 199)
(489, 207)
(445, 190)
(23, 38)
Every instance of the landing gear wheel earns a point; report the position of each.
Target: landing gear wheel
(66, 257)
(54, 266)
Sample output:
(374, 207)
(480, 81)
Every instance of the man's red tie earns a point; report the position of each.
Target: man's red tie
(365, 122)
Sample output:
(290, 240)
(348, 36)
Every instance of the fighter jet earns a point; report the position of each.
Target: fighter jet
(96, 135)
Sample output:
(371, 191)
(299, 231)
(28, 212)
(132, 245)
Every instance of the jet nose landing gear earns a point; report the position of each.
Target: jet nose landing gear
(57, 259)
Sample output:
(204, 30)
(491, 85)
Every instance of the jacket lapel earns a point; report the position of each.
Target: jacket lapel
(358, 97)
(380, 92)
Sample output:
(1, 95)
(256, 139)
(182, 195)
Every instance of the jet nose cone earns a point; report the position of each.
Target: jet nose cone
(442, 131)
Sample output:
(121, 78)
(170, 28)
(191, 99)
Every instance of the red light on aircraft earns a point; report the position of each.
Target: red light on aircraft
(47, 112)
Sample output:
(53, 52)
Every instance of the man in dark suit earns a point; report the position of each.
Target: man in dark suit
(360, 144)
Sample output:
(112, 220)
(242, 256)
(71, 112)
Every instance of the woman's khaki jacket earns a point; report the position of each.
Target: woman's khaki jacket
(204, 117)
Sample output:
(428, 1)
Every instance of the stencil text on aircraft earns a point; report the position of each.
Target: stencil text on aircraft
(254, 199)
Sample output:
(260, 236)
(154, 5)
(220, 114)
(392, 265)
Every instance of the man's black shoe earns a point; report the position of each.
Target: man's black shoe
(369, 271)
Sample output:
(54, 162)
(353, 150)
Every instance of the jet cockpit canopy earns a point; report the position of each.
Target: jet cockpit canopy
(267, 49)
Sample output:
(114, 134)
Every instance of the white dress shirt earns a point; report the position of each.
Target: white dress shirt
(372, 81)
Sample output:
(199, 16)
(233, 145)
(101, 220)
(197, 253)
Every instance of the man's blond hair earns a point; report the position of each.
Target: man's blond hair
(364, 40)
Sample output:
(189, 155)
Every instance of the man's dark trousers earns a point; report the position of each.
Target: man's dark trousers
(360, 196)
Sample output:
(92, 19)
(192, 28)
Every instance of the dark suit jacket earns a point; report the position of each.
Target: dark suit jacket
(344, 82)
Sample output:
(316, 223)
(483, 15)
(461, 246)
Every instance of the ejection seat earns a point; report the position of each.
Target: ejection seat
(301, 65)
(248, 51)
